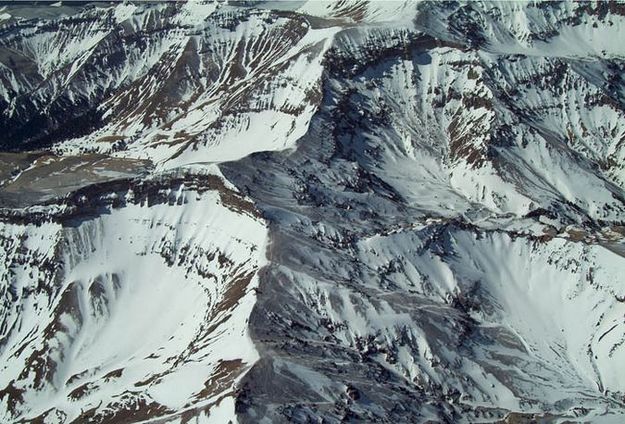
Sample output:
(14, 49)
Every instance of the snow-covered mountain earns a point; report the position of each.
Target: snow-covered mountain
(312, 211)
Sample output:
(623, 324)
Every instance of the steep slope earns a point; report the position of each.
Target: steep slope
(418, 277)
(132, 314)
(161, 80)
(376, 300)
(313, 211)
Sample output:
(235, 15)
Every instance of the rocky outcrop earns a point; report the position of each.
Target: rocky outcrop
(312, 212)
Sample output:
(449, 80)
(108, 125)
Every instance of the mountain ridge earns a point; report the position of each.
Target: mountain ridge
(312, 212)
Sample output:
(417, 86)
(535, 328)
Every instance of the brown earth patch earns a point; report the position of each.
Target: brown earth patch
(222, 378)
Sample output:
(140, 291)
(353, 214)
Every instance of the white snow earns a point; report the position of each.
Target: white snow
(150, 313)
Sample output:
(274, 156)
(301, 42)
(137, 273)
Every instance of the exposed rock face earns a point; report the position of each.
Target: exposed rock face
(312, 212)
